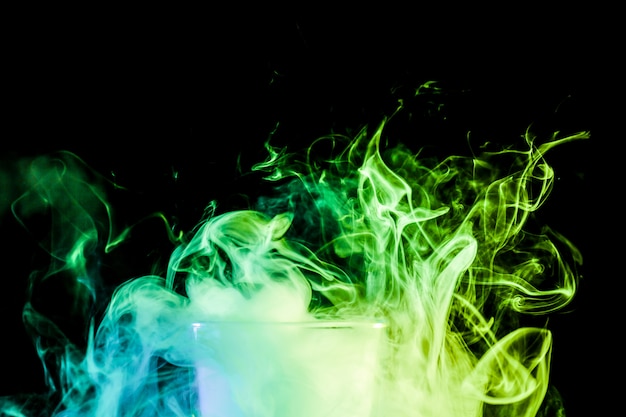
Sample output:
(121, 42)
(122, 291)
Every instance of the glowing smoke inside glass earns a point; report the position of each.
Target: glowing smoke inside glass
(370, 282)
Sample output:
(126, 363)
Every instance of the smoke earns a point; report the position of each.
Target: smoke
(370, 281)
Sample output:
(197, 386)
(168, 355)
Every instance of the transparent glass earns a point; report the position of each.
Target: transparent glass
(303, 369)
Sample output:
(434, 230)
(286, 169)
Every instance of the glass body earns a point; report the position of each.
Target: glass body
(304, 369)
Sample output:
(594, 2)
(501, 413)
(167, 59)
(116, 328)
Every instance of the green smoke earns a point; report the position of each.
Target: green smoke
(439, 251)
(434, 255)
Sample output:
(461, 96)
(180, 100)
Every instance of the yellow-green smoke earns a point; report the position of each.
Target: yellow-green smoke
(434, 254)
(438, 250)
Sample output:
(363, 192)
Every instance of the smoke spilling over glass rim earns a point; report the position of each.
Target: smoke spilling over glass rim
(434, 255)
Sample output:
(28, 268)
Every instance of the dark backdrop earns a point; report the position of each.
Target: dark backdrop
(167, 104)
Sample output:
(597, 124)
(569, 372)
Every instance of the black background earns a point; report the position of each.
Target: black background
(143, 94)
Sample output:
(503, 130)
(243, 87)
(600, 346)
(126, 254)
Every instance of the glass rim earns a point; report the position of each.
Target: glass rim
(321, 324)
